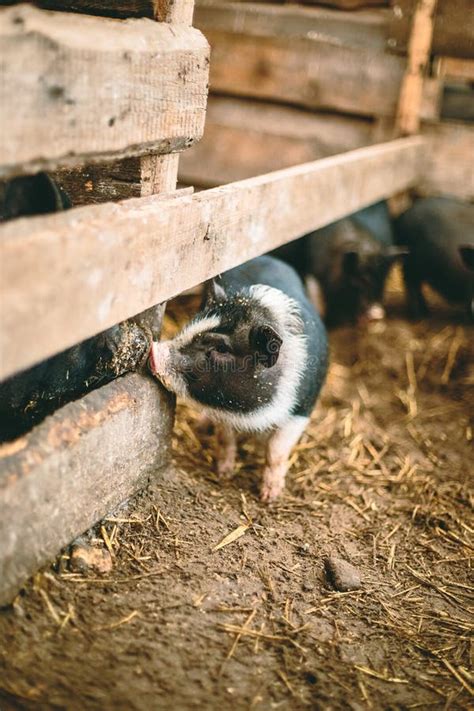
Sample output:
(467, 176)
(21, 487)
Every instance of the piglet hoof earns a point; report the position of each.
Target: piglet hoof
(225, 467)
(271, 490)
(204, 423)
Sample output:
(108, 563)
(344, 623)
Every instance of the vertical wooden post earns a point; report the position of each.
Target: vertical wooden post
(409, 103)
(160, 173)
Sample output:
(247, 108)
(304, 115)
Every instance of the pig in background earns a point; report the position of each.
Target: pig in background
(27, 398)
(253, 360)
(33, 195)
(439, 233)
(350, 261)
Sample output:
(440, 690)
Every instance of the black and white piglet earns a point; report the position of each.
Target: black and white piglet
(254, 359)
(439, 232)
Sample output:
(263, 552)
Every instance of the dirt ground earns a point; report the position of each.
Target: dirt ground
(381, 478)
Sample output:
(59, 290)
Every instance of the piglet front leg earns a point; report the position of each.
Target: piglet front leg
(279, 448)
(226, 450)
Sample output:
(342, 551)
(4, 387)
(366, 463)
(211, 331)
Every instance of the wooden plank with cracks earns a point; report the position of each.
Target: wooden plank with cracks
(77, 102)
(287, 55)
(74, 468)
(244, 138)
(70, 275)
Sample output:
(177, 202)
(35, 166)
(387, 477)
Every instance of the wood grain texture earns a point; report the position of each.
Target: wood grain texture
(339, 5)
(74, 468)
(366, 28)
(453, 33)
(96, 88)
(243, 138)
(262, 53)
(70, 275)
(454, 68)
(449, 168)
(411, 91)
(349, 4)
(176, 11)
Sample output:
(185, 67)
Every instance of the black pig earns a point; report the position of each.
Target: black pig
(33, 195)
(27, 398)
(438, 231)
(350, 259)
(253, 359)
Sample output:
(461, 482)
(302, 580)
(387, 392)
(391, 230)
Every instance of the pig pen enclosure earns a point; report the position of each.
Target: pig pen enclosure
(180, 589)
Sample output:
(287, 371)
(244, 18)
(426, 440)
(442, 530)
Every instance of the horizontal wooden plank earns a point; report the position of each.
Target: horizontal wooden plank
(105, 182)
(280, 54)
(70, 275)
(162, 10)
(360, 5)
(449, 166)
(367, 28)
(81, 89)
(454, 68)
(243, 138)
(453, 30)
(76, 467)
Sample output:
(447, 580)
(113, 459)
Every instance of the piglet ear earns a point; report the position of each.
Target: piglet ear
(467, 255)
(266, 343)
(350, 262)
(213, 291)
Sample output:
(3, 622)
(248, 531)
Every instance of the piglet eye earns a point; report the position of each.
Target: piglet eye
(220, 355)
(221, 347)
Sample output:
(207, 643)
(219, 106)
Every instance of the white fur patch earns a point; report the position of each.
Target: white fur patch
(194, 328)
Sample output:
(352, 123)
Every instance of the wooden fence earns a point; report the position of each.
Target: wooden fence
(89, 89)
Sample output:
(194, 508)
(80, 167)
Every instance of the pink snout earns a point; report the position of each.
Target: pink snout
(375, 312)
(159, 359)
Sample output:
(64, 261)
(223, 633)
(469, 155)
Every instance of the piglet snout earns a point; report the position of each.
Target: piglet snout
(375, 312)
(159, 358)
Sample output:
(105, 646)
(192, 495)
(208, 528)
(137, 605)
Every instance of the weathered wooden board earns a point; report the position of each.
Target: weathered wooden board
(349, 4)
(306, 72)
(70, 275)
(162, 10)
(453, 31)
(107, 182)
(75, 88)
(243, 138)
(74, 468)
(448, 166)
(454, 68)
(367, 28)
(337, 4)
(281, 54)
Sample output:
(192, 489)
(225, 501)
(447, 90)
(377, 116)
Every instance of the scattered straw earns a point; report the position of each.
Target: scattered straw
(382, 677)
(119, 623)
(232, 536)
